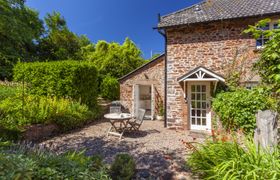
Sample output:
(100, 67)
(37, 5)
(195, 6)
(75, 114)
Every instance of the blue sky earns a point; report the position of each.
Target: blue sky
(113, 20)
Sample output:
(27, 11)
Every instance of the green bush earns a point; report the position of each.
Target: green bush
(123, 168)
(237, 109)
(74, 79)
(8, 91)
(19, 162)
(229, 160)
(43, 110)
(110, 88)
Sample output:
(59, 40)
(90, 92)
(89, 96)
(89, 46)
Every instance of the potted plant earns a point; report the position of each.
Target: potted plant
(160, 112)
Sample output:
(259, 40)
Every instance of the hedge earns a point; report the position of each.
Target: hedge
(237, 109)
(110, 88)
(67, 79)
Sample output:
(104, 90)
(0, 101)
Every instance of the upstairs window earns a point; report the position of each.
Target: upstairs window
(262, 40)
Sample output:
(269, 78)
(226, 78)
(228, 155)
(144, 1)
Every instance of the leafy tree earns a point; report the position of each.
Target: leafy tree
(268, 65)
(20, 28)
(59, 43)
(114, 59)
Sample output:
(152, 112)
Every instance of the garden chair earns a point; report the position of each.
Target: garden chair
(136, 123)
(116, 109)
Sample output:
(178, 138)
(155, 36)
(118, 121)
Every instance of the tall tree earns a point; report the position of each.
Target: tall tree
(20, 28)
(114, 59)
(59, 43)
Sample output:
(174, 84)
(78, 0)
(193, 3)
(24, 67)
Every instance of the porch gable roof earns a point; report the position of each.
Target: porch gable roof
(201, 74)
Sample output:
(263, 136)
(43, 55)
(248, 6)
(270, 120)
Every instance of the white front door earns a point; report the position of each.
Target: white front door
(199, 105)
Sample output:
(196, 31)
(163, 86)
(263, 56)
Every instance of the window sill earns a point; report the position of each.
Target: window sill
(259, 49)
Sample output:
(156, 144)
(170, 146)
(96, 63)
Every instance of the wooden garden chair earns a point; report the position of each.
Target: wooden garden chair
(136, 123)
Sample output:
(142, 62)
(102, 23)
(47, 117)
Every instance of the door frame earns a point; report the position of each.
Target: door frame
(136, 99)
(208, 125)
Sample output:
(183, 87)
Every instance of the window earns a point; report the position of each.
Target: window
(262, 40)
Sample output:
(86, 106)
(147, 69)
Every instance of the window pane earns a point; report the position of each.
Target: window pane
(198, 113)
(203, 88)
(198, 121)
(193, 88)
(193, 96)
(204, 97)
(204, 122)
(266, 27)
(198, 104)
(203, 105)
(198, 88)
(193, 104)
(203, 113)
(193, 113)
(198, 96)
(259, 43)
(193, 121)
(275, 26)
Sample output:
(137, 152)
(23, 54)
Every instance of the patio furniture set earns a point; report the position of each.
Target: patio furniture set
(123, 122)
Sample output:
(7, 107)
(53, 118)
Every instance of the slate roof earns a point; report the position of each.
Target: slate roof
(214, 10)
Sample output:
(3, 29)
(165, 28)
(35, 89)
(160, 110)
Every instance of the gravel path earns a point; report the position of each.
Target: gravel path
(158, 151)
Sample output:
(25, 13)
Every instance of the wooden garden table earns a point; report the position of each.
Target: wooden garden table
(119, 123)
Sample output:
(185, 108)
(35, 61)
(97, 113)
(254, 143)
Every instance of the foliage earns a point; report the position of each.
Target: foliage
(161, 109)
(42, 110)
(19, 27)
(114, 59)
(123, 168)
(230, 160)
(237, 109)
(21, 162)
(268, 65)
(110, 88)
(8, 91)
(77, 80)
(59, 42)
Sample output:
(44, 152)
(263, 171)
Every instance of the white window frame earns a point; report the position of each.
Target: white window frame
(271, 27)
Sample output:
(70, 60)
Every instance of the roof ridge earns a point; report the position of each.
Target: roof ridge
(189, 7)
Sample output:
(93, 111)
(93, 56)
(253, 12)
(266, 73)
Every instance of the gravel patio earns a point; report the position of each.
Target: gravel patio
(158, 151)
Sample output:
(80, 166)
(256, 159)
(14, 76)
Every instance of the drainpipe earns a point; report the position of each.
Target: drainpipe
(162, 32)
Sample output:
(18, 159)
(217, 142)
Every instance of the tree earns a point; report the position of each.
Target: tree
(59, 43)
(20, 28)
(268, 65)
(114, 59)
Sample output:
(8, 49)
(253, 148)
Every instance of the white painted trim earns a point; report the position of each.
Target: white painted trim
(208, 109)
(200, 73)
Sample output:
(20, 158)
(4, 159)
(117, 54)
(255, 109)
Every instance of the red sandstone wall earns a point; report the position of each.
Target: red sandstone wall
(150, 74)
(212, 45)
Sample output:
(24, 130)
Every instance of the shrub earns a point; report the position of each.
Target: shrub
(74, 79)
(237, 109)
(123, 168)
(20, 162)
(110, 88)
(42, 110)
(8, 91)
(229, 160)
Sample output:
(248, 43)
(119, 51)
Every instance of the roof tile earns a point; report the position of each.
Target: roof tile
(212, 10)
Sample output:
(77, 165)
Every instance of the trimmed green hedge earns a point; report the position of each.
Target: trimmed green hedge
(74, 79)
(110, 88)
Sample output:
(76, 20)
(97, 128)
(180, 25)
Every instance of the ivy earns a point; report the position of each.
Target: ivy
(237, 109)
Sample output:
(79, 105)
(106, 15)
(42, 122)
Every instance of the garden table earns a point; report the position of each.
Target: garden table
(119, 123)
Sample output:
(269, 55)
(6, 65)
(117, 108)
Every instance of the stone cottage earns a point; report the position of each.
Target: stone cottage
(204, 46)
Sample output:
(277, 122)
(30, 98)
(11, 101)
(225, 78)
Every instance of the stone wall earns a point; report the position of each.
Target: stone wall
(151, 73)
(218, 46)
